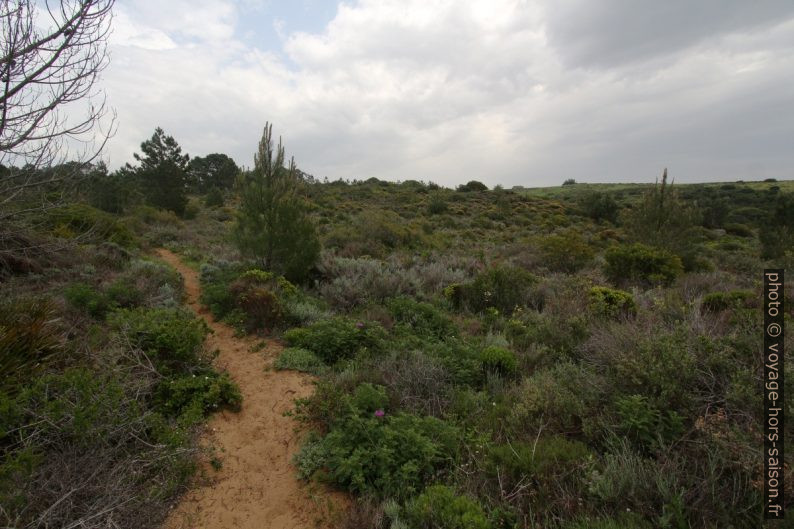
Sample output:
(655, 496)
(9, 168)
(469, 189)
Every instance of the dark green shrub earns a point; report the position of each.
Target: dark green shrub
(611, 303)
(172, 338)
(720, 301)
(29, 337)
(499, 360)
(84, 297)
(336, 338)
(564, 397)
(503, 288)
(259, 296)
(439, 507)
(215, 293)
(637, 263)
(600, 206)
(123, 293)
(214, 198)
(191, 397)
(547, 456)
(569, 182)
(740, 230)
(437, 206)
(566, 252)
(472, 185)
(386, 456)
(83, 220)
(299, 359)
(421, 318)
(645, 424)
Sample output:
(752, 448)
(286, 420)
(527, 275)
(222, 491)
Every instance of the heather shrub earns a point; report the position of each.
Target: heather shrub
(157, 283)
(640, 264)
(336, 338)
(611, 303)
(439, 506)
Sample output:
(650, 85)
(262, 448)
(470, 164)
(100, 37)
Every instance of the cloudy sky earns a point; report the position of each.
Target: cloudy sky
(506, 92)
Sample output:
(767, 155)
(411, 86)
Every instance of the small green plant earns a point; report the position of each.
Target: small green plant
(191, 397)
(499, 360)
(439, 506)
(86, 298)
(646, 424)
(611, 303)
(299, 359)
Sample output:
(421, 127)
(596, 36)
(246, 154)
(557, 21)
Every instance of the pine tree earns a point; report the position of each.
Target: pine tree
(273, 225)
(162, 172)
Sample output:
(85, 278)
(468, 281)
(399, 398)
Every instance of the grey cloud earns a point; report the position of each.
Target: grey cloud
(608, 33)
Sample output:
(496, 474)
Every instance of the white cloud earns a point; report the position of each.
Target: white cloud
(501, 91)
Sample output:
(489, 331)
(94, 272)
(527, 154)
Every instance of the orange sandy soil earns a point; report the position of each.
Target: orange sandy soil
(257, 486)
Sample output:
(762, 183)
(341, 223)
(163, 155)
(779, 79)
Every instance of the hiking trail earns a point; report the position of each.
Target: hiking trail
(257, 486)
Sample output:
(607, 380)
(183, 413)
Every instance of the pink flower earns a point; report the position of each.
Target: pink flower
(360, 325)
(379, 413)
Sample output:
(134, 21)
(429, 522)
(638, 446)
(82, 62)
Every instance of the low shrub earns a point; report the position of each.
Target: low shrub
(191, 397)
(565, 252)
(439, 506)
(739, 230)
(503, 288)
(647, 425)
(566, 397)
(336, 338)
(298, 359)
(83, 220)
(437, 206)
(380, 454)
(638, 263)
(537, 459)
(472, 185)
(214, 198)
(86, 298)
(611, 303)
(720, 301)
(499, 360)
(172, 338)
(421, 319)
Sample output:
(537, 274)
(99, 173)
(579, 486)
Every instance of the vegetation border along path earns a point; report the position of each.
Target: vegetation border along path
(256, 485)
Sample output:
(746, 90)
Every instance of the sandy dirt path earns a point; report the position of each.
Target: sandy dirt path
(256, 486)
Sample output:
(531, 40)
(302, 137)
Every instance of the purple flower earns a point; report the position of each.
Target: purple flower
(360, 325)
(379, 413)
